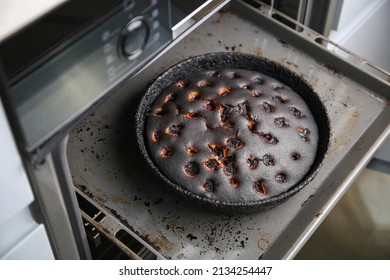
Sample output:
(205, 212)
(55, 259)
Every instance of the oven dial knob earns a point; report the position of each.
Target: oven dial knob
(133, 38)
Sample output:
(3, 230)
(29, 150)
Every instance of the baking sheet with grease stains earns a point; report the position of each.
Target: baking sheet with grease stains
(108, 169)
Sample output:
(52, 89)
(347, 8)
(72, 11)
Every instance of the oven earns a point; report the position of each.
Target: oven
(72, 107)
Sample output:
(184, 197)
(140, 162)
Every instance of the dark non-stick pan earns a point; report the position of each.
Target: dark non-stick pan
(227, 60)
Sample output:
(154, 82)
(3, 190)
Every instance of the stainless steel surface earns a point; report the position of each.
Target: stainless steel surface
(196, 15)
(106, 166)
(59, 91)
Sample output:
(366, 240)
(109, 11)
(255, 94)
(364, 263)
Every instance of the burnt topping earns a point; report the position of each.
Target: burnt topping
(267, 107)
(191, 151)
(268, 138)
(256, 93)
(169, 97)
(295, 156)
(234, 142)
(174, 129)
(159, 112)
(259, 187)
(216, 149)
(156, 137)
(304, 133)
(252, 162)
(166, 152)
(233, 181)
(181, 84)
(281, 122)
(191, 169)
(224, 91)
(230, 169)
(252, 124)
(191, 115)
(242, 108)
(280, 99)
(208, 186)
(204, 84)
(268, 160)
(211, 164)
(281, 177)
(194, 95)
(210, 105)
(296, 112)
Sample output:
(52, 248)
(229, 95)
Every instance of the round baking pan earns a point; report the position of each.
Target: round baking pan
(228, 60)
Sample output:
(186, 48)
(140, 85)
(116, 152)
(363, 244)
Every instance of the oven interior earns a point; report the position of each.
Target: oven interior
(127, 213)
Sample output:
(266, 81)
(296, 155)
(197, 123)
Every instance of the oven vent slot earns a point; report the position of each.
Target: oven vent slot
(122, 246)
(135, 246)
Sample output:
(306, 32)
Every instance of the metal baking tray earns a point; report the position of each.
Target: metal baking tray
(108, 170)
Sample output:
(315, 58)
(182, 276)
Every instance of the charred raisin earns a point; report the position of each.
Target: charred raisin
(211, 164)
(281, 122)
(174, 129)
(268, 160)
(191, 169)
(252, 162)
(296, 112)
(267, 107)
(259, 187)
(208, 186)
(281, 177)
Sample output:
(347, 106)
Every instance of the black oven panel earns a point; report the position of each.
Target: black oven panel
(77, 76)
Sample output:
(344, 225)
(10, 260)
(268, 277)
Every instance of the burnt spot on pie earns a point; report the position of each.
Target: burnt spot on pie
(234, 141)
(295, 156)
(233, 181)
(296, 112)
(268, 138)
(159, 112)
(194, 95)
(256, 93)
(216, 150)
(174, 129)
(268, 160)
(156, 137)
(204, 84)
(208, 186)
(191, 168)
(252, 162)
(267, 107)
(211, 164)
(252, 125)
(191, 150)
(191, 115)
(181, 84)
(230, 169)
(281, 122)
(243, 108)
(166, 152)
(224, 91)
(280, 99)
(210, 105)
(281, 177)
(169, 97)
(259, 187)
(304, 133)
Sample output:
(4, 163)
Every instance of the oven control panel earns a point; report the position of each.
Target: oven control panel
(60, 90)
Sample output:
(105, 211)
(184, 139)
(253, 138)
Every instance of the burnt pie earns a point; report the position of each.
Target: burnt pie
(231, 135)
